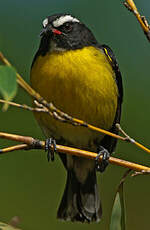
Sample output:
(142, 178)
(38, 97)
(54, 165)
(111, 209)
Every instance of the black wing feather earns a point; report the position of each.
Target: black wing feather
(115, 67)
(109, 142)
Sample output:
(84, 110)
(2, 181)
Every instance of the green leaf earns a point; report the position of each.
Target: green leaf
(8, 83)
(118, 216)
(4, 226)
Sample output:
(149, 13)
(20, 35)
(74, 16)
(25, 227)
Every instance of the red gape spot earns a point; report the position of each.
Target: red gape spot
(56, 31)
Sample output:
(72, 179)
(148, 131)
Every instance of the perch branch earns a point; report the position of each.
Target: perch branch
(31, 143)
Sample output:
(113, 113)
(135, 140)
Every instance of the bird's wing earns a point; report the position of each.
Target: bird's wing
(113, 61)
(109, 142)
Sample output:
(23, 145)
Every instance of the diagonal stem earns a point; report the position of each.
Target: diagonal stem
(141, 19)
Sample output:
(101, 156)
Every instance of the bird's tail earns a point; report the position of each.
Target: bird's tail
(80, 202)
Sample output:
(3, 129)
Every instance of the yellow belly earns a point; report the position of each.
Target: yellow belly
(80, 83)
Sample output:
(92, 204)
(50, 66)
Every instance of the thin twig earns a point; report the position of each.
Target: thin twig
(26, 107)
(143, 172)
(141, 19)
(31, 143)
(41, 108)
(124, 176)
(131, 140)
(13, 148)
(128, 138)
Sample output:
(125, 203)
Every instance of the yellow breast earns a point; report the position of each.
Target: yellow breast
(80, 83)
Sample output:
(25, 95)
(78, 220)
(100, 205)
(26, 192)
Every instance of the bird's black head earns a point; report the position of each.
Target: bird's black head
(64, 32)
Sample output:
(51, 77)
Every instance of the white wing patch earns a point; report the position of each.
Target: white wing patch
(45, 22)
(63, 19)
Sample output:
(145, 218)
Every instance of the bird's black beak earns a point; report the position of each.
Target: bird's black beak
(45, 30)
(49, 29)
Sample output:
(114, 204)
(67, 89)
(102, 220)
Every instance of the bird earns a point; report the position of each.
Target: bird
(81, 77)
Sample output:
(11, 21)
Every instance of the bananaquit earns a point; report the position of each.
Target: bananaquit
(82, 78)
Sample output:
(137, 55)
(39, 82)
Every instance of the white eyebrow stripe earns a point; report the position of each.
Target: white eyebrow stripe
(45, 22)
(63, 19)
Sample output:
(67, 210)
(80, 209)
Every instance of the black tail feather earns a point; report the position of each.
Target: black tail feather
(80, 202)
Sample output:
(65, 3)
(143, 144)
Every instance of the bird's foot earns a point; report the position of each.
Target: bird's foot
(101, 166)
(50, 148)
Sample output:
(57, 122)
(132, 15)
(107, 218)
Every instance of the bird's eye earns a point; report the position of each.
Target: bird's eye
(67, 26)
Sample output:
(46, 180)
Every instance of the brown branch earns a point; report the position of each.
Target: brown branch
(13, 148)
(141, 19)
(31, 143)
(124, 177)
(41, 108)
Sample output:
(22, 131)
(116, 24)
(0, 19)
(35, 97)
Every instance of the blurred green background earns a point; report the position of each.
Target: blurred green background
(30, 187)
